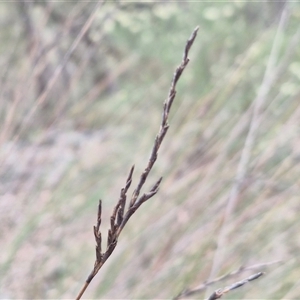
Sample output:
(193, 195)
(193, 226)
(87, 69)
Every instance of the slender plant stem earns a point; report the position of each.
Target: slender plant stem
(86, 284)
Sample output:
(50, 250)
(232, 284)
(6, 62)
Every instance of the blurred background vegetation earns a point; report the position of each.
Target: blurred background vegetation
(82, 86)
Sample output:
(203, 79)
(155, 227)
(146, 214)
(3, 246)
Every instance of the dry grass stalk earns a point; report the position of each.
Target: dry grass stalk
(119, 218)
(189, 292)
(220, 292)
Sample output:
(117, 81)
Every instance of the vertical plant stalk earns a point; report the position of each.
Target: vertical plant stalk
(269, 79)
(119, 217)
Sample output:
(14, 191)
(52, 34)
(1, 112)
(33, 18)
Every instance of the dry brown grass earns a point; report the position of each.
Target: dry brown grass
(121, 215)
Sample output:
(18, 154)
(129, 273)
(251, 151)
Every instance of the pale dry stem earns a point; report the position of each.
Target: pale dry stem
(268, 81)
(190, 292)
(220, 292)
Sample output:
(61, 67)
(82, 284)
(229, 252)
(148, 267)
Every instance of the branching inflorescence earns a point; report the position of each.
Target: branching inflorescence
(121, 214)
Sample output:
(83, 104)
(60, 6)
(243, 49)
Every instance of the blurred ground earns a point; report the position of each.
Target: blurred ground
(82, 88)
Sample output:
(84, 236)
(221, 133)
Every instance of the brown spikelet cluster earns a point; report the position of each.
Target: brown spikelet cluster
(121, 214)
